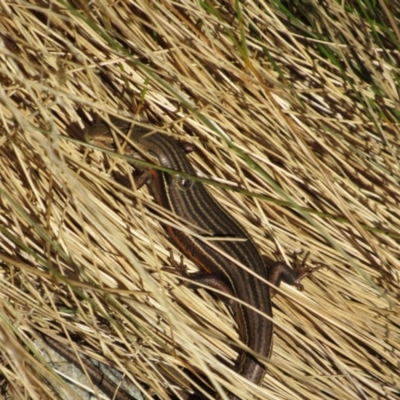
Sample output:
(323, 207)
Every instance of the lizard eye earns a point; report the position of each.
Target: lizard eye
(152, 154)
(182, 183)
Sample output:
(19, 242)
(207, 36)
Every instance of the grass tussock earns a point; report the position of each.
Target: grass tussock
(293, 108)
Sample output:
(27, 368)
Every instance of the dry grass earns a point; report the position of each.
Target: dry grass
(309, 92)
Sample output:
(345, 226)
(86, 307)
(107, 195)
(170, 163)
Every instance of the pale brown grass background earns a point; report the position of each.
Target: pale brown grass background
(309, 92)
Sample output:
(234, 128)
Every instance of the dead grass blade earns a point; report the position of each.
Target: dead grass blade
(293, 108)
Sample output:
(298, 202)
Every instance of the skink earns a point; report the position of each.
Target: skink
(191, 202)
